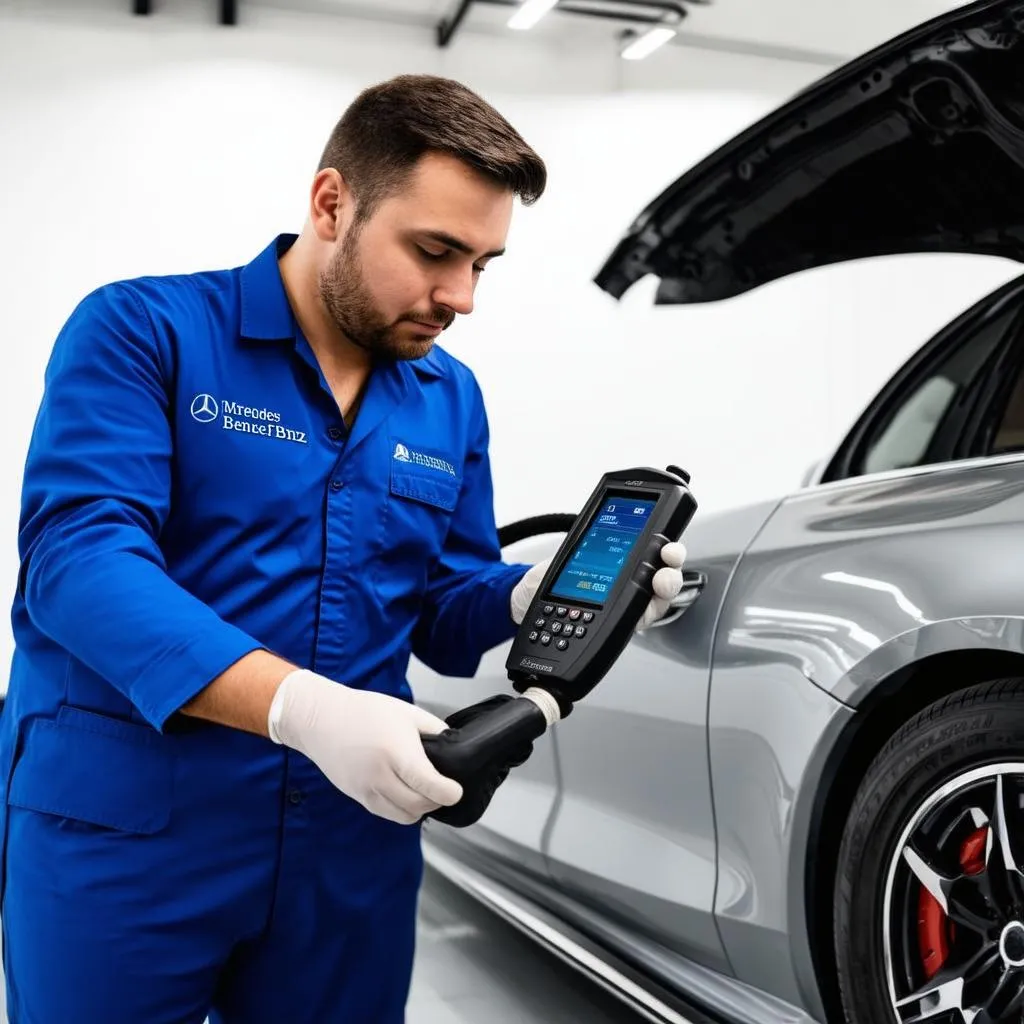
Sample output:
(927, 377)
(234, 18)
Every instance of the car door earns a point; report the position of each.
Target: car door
(512, 828)
(914, 523)
(633, 832)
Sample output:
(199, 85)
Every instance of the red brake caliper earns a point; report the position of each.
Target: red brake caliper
(934, 930)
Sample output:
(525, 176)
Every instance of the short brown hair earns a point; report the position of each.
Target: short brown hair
(389, 126)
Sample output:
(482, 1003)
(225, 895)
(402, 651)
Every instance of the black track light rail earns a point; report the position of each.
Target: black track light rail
(228, 10)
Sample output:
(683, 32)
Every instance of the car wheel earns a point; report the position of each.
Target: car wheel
(929, 895)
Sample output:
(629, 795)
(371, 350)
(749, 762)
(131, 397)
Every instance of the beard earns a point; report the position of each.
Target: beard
(348, 300)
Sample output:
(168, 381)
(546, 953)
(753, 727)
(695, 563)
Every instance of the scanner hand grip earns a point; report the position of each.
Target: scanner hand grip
(481, 744)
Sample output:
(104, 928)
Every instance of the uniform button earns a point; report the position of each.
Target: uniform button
(336, 485)
(335, 433)
(294, 796)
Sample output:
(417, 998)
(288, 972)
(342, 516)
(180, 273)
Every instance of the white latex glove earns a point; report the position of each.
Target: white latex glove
(367, 744)
(667, 583)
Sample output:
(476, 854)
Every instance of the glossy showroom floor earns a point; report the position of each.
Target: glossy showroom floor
(474, 967)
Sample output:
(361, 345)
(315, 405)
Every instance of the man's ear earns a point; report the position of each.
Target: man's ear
(331, 204)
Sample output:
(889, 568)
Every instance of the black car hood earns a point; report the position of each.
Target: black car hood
(916, 147)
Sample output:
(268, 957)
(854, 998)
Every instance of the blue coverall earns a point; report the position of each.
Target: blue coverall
(191, 494)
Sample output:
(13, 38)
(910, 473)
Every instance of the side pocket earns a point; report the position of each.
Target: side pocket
(95, 769)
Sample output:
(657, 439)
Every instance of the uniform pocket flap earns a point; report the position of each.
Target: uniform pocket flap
(436, 491)
(95, 769)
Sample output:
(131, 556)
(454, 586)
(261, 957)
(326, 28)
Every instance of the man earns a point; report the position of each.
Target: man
(249, 495)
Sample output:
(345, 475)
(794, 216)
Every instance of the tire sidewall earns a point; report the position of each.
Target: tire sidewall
(938, 746)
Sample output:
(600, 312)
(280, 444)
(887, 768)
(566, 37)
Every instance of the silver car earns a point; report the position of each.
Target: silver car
(800, 797)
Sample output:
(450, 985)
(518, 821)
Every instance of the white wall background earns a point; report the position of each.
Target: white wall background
(137, 146)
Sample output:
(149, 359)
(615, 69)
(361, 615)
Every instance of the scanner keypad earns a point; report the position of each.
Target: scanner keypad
(559, 626)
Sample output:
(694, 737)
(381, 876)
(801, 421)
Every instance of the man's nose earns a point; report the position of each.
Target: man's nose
(456, 291)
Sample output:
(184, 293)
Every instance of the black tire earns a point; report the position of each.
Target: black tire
(982, 725)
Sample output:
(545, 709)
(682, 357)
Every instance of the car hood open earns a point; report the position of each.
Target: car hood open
(917, 146)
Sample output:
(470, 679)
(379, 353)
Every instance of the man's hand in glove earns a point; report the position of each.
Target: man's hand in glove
(668, 581)
(368, 744)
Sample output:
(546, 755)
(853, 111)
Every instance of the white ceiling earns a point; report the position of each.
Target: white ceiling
(828, 30)
(842, 27)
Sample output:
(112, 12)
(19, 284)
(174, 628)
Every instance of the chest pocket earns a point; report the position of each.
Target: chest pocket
(435, 493)
(423, 492)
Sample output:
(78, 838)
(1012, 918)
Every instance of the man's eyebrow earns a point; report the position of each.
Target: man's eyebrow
(454, 243)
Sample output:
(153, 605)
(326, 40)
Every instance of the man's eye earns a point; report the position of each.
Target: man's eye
(436, 257)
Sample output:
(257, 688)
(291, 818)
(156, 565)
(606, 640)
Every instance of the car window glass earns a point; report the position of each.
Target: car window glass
(906, 439)
(903, 438)
(1009, 436)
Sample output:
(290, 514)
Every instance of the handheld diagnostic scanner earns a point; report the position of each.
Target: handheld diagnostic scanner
(598, 584)
(582, 616)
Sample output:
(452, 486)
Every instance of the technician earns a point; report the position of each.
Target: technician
(250, 494)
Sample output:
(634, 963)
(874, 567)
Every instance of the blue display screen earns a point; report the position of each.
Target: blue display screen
(595, 564)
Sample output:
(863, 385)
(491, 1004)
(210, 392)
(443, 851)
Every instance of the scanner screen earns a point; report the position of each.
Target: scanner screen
(594, 565)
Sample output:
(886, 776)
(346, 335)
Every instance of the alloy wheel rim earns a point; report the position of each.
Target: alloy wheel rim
(953, 909)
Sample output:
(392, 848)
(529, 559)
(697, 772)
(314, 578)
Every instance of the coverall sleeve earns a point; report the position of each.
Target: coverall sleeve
(467, 609)
(96, 494)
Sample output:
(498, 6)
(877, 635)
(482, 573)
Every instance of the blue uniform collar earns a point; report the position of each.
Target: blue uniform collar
(267, 315)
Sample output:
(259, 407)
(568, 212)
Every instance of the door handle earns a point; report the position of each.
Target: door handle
(694, 582)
